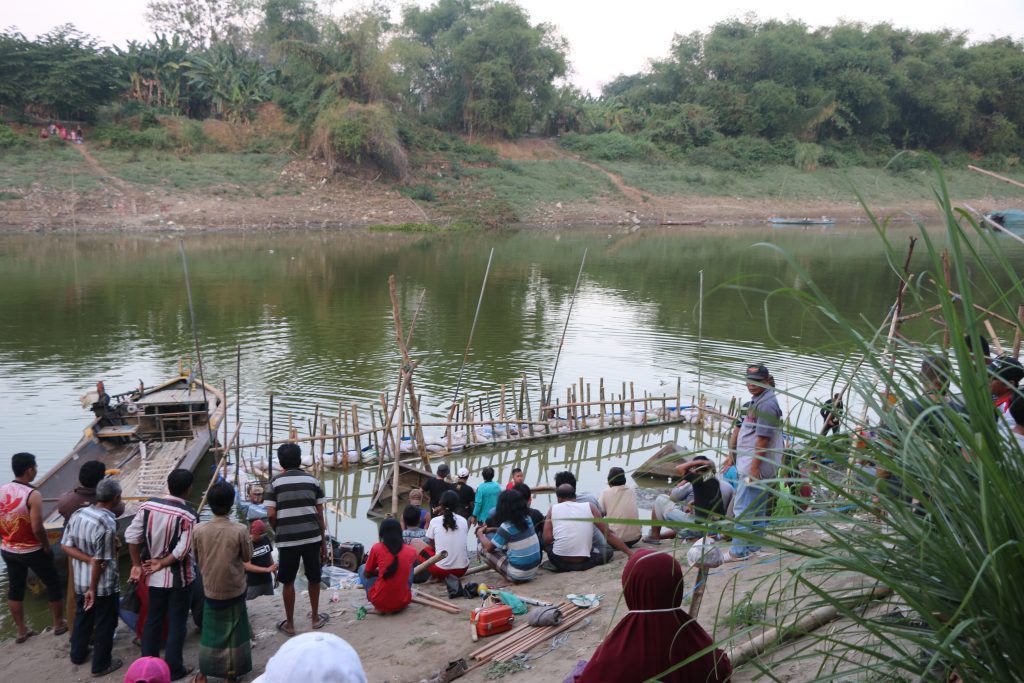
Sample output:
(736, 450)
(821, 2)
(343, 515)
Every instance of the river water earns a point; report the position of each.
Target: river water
(311, 315)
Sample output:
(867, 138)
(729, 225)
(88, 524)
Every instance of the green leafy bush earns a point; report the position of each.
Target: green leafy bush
(9, 139)
(610, 146)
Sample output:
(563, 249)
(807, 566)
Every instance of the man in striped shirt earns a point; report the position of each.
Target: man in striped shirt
(90, 540)
(295, 507)
(160, 544)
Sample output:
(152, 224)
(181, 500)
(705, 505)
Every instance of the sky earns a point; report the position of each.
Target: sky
(606, 37)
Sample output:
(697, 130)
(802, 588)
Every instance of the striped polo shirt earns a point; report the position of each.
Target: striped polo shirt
(522, 549)
(93, 530)
(295, 495)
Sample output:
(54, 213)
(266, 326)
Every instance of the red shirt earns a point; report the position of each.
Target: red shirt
(393, 594)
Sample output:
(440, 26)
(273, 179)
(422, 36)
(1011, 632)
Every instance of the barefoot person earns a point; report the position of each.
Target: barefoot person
(295, 506)
(388, 570)
(90, 540)
(24, 546)
(512, 548)
(223, 547)
(162, 530)
(569, 534)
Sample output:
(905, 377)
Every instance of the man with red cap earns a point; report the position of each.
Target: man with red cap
(259, 572)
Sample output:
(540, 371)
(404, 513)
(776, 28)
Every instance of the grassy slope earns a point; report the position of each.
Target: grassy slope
(520, 185)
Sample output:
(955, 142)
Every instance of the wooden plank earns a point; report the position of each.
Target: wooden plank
(117, 431)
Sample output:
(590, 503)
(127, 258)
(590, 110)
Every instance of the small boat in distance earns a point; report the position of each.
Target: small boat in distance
(1011, 219)
(140, 436)
(699, 221)
(822, 220)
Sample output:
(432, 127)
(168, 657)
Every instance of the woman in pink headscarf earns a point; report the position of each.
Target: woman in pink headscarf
(656, 634)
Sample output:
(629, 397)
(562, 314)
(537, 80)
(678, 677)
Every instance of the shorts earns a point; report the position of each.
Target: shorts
(288, 562)
(41, 564)
(253, 592)
(666, 508)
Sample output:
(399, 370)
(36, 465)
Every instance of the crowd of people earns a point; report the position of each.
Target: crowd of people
(56, 130)
(180, 565)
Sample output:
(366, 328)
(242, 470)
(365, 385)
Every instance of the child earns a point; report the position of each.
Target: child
(486, 496)
(517, 478)
(260, 570)
(223, 548)
(416, 500)
(388, 570)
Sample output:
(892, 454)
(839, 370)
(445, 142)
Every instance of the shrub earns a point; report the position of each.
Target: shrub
(611, 146)
(807, 156)
(356, 132)
(9, 139)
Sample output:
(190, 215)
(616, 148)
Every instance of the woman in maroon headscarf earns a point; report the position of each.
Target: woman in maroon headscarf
(656, 634)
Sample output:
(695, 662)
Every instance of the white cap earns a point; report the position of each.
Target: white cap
(314, 658)
(463, 473)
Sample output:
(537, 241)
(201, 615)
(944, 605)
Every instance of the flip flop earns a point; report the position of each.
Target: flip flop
(324, 618)
(28, 634)
(114, 666)
(282, 629)
(61, 630)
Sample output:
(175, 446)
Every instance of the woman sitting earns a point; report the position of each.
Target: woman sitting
(448, 533)
(656, 634)
(511, 549)
(388, 570)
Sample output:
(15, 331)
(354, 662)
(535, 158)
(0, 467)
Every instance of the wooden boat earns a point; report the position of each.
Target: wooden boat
(662, 465)
(1011, 219)
(409, 478)
(823, 220)
(669, 221)
(142, 437)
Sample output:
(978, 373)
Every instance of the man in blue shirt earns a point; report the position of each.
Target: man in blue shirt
(758, 455)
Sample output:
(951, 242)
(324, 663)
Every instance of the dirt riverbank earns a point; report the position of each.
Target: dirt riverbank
(415, 643)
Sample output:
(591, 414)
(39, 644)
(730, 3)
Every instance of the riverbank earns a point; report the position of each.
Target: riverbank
(85, 188)
(415, 643)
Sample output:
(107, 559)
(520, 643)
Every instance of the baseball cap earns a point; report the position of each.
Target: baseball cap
(258, 527)
(1008, 369)
(148, 670)
(757, 372)
(443, 468)
(314, 658)
(463, 473)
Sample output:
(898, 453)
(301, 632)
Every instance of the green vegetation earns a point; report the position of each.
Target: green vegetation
(745, 612)
(243, 175)
(943, 531)
(51, 165)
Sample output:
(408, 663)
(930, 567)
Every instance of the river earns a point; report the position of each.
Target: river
(311, 315)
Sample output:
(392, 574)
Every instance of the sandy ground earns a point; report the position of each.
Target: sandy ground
(412, 645)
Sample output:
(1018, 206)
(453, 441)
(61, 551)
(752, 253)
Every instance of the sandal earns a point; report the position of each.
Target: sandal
(28, 634)
(281, 627)
(324, 617)
(61, 630)
(651, 540)
(114, 666)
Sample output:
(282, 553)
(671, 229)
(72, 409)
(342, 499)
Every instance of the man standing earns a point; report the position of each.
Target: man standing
(436, 486)
(758, 454)
(295, 506)
(467, 496)
(90, 540)
(25, 547)
(89, 475)
(160, 544)
(569, 534)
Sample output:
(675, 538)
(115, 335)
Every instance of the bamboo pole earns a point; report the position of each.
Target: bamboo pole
(1017, 333)
(223, 460)
(434, 559)
(472, 329)
(270, 439)
(572, 302)
(529, 408)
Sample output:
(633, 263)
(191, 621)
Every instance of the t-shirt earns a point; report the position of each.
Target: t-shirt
(707, 494)
(486, 499)
(391, 594)
(521, 547)
(435, 488)
(295, 494)
(416, 533)
(15, 522)
(762, 419)
(572, 538)
(222, 547)
(261, 557)
(619, 502)
(467, 497)
(452, 540)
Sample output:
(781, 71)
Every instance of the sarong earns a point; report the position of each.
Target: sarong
(225, 650)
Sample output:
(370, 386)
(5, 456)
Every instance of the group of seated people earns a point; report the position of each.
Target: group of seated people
(55, 130)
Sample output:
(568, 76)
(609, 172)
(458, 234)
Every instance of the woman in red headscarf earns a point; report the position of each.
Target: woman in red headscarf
(656, 634)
